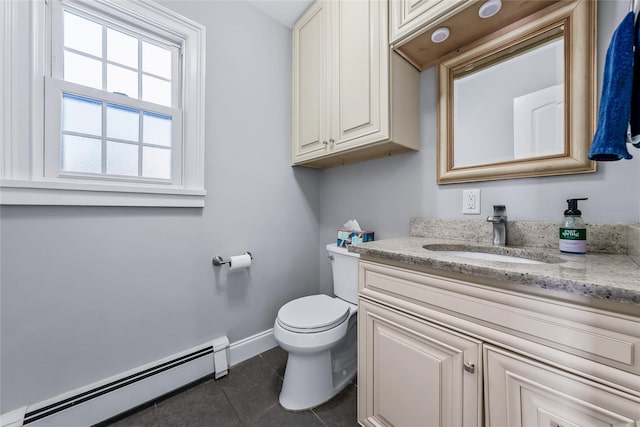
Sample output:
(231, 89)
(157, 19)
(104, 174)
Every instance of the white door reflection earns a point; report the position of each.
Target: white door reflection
(538, 123)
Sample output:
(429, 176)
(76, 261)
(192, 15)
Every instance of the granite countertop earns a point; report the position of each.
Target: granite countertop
(614, 277)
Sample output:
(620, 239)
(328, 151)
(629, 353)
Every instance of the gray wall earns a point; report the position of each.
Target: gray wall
(385, 194)
(88, 292)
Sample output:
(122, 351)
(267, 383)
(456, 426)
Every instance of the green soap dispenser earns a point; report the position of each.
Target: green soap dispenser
(573, 230)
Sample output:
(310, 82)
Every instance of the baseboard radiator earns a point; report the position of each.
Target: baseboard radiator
(112, 396)
(51, 410)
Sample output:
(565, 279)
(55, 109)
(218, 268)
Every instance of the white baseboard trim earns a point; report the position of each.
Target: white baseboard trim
(249, 347)
(13, 418)
(109, 397)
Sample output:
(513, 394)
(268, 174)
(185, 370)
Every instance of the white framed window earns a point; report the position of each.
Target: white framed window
(116, 106)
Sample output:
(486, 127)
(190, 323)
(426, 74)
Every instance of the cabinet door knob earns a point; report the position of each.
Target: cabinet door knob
(332, 140)
(325, 142)
(470, 367)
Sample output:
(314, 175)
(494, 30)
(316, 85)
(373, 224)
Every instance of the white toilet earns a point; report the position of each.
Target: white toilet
(320, 334)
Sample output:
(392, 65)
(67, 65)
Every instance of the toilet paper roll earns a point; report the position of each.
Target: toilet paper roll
(239, 261)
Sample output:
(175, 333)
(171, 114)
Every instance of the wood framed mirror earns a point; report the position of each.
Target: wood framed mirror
(521, 101)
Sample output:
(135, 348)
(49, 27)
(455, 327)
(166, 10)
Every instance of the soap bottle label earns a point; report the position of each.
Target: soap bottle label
(573, 240)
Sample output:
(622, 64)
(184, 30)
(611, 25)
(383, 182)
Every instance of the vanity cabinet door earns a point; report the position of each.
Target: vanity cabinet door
(407, 16)
(413, 373)
(523, 393)
(310, 84)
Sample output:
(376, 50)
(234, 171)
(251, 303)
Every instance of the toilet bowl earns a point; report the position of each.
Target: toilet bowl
(320, 334)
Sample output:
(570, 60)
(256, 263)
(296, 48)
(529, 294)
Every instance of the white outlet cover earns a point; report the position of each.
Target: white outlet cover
(471, 202)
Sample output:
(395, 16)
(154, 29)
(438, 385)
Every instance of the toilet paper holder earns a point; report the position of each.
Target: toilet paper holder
(218, 260)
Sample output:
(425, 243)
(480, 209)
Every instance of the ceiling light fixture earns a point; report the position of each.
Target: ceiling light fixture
(489, 8)
(440, 35)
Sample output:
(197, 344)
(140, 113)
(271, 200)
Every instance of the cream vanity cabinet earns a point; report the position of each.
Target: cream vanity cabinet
(444, 351)
(353, 98)
(416, 373)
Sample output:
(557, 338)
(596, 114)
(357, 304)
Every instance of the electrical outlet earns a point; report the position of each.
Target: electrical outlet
(471, 202)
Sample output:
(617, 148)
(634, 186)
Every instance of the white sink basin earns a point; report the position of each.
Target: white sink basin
(495, 253)
(492, 257)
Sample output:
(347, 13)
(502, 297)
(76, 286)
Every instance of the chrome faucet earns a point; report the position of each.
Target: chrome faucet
(499, 220)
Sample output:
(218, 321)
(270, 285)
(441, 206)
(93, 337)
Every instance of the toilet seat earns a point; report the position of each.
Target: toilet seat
(311, 314)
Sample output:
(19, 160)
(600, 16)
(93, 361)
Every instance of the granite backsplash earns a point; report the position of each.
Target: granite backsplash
(621, 239)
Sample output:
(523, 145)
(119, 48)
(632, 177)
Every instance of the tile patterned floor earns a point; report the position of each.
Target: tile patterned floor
(248, 396)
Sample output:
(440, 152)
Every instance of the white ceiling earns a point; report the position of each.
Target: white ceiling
(286, 12)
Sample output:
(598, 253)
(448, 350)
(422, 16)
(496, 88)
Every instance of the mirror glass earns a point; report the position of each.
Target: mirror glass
(511, 118)
(510, 104)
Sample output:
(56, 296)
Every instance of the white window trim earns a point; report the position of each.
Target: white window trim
(24, 51)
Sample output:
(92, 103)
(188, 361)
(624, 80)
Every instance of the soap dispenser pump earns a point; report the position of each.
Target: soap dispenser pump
(573, 230)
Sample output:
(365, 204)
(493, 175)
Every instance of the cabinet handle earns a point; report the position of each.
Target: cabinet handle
(332, 140)
(470, 367)
(325, 142)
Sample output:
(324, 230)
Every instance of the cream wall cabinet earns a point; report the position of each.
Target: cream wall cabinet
(412, 23)
(421, 334)
(353, 99)
(407, 16)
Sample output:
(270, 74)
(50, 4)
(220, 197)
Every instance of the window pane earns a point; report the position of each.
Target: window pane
(156, 129)
(123, 122)
(156, 90)
(83, 115)
(156, 60)
(122, 81)
(122, 159)
(122, 48)
(82, 34)
(82, 70)
(81, 154)
(156, 162)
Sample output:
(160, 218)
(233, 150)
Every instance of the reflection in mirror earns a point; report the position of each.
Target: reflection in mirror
(520, 102)
(511, 118)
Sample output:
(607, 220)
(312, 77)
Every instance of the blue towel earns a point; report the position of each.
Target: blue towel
(610, 140)
(634, 120)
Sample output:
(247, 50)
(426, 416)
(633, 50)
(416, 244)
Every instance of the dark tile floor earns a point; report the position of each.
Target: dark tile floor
(247, 396)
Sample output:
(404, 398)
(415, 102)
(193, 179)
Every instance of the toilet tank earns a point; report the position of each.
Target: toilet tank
(345, 273)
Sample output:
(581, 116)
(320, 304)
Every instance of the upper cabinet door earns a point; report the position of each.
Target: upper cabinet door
(361, 73)
(310, 86)
(409, 15)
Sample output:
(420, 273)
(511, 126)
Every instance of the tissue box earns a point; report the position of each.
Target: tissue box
(351, 237)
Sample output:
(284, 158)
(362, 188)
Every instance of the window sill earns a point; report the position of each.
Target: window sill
(43, 193)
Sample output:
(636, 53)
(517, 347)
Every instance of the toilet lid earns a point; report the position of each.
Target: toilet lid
(314, 313)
